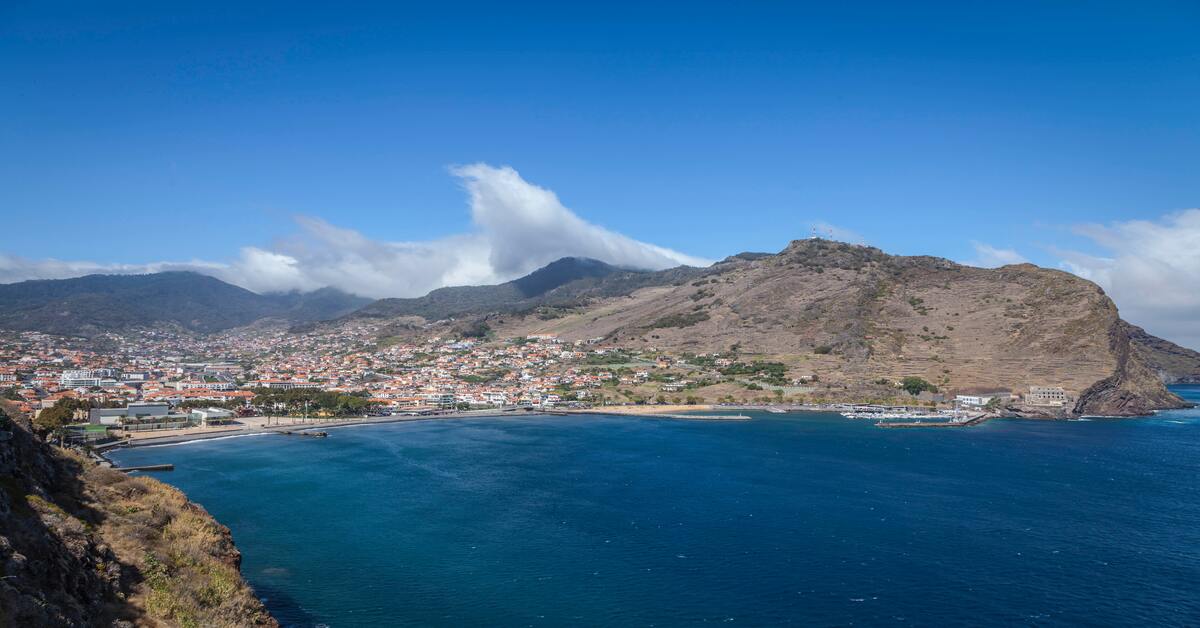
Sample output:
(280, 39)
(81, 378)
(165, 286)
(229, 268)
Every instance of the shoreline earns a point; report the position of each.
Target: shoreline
(648, 411)
(676, 412)
(179, 439)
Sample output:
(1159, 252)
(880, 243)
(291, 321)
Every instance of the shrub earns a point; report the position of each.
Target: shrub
(679, 320)
(916, 385)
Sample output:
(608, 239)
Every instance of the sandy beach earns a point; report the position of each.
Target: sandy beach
(249, 426)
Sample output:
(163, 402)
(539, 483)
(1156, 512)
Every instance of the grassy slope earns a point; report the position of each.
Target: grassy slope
(81, 544)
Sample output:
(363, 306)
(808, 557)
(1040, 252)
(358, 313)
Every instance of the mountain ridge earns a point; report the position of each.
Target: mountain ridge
(561, 282)
(92, 304)
(854, 302)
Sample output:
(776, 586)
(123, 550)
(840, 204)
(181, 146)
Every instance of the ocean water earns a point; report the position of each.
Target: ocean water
(787, 519)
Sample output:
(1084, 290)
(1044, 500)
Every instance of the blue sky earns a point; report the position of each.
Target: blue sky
(134, 133)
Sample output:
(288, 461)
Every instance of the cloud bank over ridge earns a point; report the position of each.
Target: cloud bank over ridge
(518, 227)
(1151, 269)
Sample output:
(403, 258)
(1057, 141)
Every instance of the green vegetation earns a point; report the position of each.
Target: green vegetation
(823, 350)
(319, 401)
(549, 313)
(388, 341)
(485, 376)
(774, 373)
(608, 357)
(679, 320)
(61, 414)
(708, 361)
(917, 385)
(478, 329)
(10, 393)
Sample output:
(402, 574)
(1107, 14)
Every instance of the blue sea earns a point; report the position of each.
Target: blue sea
(801, 519)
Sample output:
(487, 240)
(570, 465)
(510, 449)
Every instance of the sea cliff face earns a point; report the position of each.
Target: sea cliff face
(1133, 389)
(83, 545)
(1170, 362)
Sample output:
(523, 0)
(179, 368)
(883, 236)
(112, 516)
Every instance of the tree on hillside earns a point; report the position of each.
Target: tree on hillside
(916, 385)
(61, 414)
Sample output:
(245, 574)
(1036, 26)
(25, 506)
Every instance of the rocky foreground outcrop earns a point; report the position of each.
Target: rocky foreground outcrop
(83, 545)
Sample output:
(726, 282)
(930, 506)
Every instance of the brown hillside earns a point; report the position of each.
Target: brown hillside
(854, 314)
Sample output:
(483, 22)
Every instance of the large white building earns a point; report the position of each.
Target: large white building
(1047, 396)
(211, 416)
(197, 384)
(284, 384)
(982, 399)
(85, 378)
(139, 411)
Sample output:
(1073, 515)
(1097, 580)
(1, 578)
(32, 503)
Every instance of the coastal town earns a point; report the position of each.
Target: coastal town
(150, 382)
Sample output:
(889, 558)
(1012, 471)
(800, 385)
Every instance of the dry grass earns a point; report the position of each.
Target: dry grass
(186, 564)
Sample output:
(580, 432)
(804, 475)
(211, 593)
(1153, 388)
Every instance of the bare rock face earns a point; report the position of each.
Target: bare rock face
(1133, 390)
(56, 572)
(1170, 362)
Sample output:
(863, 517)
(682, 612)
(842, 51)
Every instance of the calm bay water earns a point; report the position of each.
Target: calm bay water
(787, 519)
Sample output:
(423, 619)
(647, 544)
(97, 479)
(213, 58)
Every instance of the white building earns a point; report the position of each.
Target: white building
(1046, 396)
(979, 400)
(284, 384)
(197, 384)
(138, 411)
(212, 416)
(80, 378)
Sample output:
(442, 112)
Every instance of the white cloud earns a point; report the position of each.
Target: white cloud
(518, 227)
(988, 256)
(1151, 269)
(14, 268)
(527, 227)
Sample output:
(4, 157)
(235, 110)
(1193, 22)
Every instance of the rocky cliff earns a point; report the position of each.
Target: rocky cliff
(1170, 362)
(83, 545)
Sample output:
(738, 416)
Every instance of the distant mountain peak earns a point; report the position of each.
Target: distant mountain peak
(561, 271)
